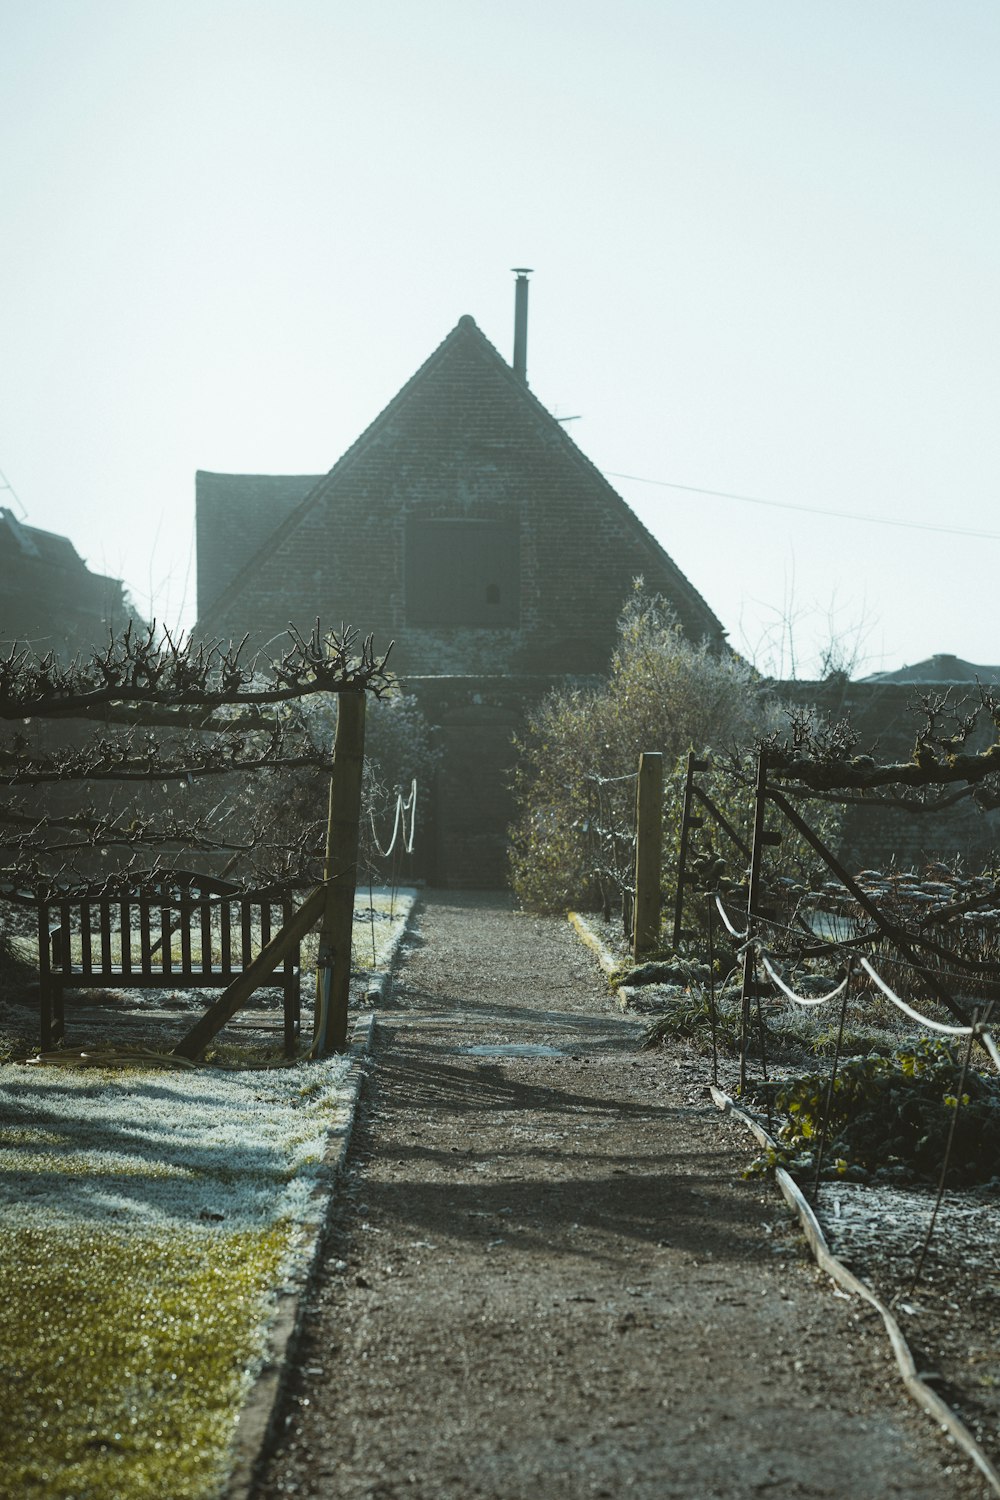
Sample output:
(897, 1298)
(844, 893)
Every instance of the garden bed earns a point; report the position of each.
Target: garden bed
(951, 1317)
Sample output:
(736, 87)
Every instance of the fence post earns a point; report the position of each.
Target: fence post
(648, 853)
(760, 838)
(688, 821)
(340, 869)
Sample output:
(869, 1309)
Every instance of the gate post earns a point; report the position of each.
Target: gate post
(340, 870)
(648, 853)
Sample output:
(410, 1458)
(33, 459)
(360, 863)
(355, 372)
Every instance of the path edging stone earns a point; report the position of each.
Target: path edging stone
(258, 1417)
(834, 1268)
(380, 980)
(607, 960)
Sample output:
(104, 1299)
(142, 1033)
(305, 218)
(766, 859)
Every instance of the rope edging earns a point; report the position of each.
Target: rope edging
(828, 1262)
(791, 994)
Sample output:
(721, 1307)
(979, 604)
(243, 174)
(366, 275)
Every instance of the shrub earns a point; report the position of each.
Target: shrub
(572, 842)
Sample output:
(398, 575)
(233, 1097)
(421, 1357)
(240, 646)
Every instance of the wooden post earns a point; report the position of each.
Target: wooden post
(760, 839)
(688, 821)
(648, 853)
(340, 870)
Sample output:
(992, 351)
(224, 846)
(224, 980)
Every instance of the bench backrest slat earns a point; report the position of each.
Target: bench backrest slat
(166, 957)
(246, 931)
(185, 921)
(125, 915)
(145, 939)
(85, 964)
(104, 926)
(226, 935)
(45, 943)
(205, 914)
(62, 952)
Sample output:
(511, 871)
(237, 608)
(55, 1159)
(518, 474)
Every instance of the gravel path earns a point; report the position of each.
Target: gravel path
(546, 1279)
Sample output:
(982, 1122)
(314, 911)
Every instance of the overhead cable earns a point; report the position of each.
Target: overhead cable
(808, 510)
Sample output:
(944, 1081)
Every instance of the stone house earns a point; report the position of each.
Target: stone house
(49, 599)
(465, 525)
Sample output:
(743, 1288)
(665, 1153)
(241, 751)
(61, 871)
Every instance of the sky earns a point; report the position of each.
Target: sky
(764, 236)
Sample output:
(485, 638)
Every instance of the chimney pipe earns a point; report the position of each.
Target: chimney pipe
(521, 322)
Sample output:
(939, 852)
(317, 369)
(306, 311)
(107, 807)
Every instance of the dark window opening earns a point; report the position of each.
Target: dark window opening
(462, 572)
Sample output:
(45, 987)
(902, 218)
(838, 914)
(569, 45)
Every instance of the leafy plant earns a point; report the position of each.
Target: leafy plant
(689, 1018)
(889, 1117)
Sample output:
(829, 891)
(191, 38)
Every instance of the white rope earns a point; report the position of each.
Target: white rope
(739, 936)
(908, 1010)
(979, 1031)
(800, 999)
(410, 806)
(403, 806)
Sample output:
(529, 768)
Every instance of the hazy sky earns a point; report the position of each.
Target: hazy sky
(765, 233)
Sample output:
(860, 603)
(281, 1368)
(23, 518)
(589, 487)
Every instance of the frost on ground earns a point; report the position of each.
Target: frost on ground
(147, 1218)
(161, 1149)
(944, 1290)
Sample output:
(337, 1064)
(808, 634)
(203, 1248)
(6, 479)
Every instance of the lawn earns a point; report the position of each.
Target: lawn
(149, 1215)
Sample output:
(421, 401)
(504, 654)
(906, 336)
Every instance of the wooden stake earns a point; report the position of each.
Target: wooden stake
(648, 853)
(333, 973)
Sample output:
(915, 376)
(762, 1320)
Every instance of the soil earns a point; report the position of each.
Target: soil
(934, 1264)
(545, 1276)
(944, 1293)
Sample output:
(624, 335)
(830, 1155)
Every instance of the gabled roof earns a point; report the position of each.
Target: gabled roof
(235, 514)
(49, 598)
(942, 669)
(468, 343)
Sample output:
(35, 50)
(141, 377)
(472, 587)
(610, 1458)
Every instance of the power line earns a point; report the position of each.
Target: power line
(841, 515)
(5, 484)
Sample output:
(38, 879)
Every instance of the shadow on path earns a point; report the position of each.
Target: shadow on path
(546, 1278)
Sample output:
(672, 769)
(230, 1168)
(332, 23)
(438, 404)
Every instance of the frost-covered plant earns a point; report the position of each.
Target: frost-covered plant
(572, 841)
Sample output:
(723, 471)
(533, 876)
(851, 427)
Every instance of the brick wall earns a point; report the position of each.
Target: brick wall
(462, 833)
(463, 439)
(877, 836)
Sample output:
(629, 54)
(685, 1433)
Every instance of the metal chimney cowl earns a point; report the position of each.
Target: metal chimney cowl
(520, 361)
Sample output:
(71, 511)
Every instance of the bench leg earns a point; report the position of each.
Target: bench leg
(292, 1011)
(45, 1016)
(52, 1014)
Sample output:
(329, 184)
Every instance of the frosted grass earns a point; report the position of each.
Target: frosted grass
(167, 1150)
(170, 1207)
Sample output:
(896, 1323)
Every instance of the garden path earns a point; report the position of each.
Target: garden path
(545, 1277)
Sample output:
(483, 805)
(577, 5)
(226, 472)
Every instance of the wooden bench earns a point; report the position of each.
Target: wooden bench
(182, 932)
